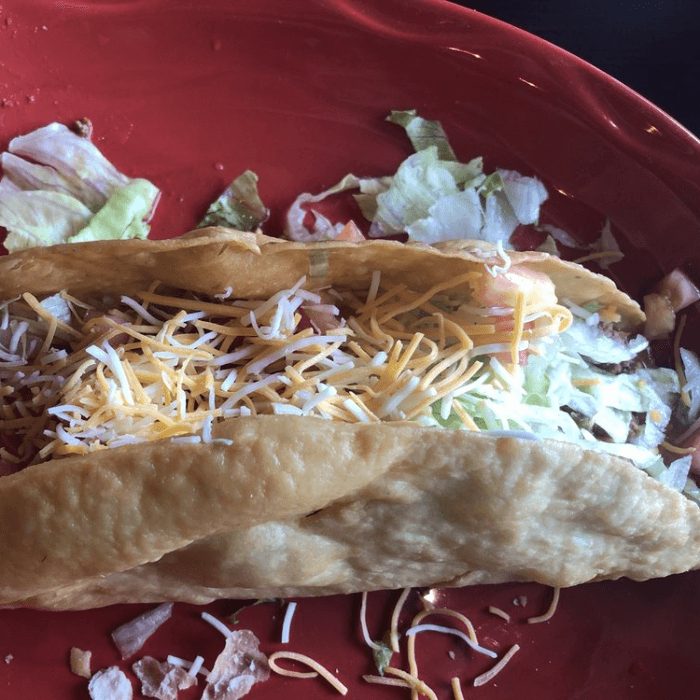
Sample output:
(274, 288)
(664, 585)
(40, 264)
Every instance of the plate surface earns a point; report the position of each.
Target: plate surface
(189, 94)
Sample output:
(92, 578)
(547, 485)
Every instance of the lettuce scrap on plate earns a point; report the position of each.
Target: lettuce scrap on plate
(432, 196)
(58, 188)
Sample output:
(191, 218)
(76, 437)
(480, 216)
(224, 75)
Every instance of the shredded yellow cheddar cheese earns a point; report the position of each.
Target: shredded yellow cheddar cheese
(165, 365)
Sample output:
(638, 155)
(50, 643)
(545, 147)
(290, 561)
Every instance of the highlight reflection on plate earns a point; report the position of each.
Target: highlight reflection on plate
(191, 94)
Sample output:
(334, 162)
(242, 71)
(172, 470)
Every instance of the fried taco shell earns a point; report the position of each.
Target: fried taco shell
(280, 505)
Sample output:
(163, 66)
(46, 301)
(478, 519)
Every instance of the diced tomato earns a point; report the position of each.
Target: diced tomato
(351, 233)
(503, 289)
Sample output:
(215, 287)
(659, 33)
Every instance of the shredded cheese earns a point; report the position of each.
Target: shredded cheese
(197, 666)
(394, 634)
(318, 669)
(363, 622)
(677, 450)
(193, 667)
(457, 689)
(216, 624)
(414, 683)
(170, 366)
(518, 323)
(287, 622)
(493, 672)
(550, 610)
(677, 362)
(47, 316)
(450, 630)
(593, 381)
(411, 648)
(600, 256)
(383, 680)
(499, 613)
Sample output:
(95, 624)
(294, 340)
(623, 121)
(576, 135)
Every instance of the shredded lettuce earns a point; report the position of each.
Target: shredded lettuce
(66, 158)
(322, 229)
(524, 194)
(600, 347)
(675, 475)
(417, 185)
(123, 216)
(58, 188)
(460, 211)
(605, 248)
(562, 394)
(382, 654)
(423, 133)
(239, 206)
(434, 200)
(607, 244)
(691, 369)
(37, 218)
(432, 196)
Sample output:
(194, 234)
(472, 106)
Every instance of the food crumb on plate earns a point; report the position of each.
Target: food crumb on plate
(162, 680)
(110, 684)
(80, 662)
(238, 667)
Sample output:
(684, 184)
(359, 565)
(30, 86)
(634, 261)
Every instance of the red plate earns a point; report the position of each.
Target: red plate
(191, 93)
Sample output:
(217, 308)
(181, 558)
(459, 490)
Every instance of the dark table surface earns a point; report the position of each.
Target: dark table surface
(653, 46)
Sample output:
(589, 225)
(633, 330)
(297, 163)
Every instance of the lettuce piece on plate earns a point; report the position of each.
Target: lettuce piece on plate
(423, 132)
(691, 388)
(432, 196)
(322, 228)
(58, 188)
(239, 205)
(419, 183)
(123, 216)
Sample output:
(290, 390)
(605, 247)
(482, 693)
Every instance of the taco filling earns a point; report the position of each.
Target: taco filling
(493, 350)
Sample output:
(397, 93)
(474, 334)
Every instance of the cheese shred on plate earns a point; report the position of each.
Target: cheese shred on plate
(456, 689)
(318, 669)
(549, 613)
(495, 670)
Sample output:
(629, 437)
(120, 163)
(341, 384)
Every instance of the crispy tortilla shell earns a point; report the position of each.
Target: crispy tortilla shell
(305, 506)
(256, 266)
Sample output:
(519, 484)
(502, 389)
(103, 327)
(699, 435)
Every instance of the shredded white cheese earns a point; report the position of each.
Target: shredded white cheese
(451, 630)
(216, 624)
(160, 366)
(287, 622)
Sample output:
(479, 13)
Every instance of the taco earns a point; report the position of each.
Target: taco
(230, 415)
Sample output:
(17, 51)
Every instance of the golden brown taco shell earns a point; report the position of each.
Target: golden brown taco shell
(305, 506)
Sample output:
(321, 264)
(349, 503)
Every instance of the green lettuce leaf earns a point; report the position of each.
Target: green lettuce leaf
(57, 187)
(382, 654)
(423, 132)
(239, 206)
(37, 218)
(124, 215)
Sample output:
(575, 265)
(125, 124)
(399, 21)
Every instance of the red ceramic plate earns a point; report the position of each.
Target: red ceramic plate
(190, 93)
